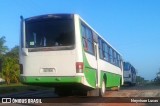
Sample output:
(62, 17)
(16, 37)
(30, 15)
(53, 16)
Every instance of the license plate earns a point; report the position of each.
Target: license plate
(47, 70)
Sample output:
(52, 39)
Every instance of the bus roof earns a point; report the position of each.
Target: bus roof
(98, 34)
(58, 16)
(68, 16)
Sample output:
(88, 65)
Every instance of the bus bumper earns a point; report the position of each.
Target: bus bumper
(50, 79)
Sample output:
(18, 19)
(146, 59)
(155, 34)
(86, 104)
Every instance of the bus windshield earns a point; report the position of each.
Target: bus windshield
(126, 66)
(50, 33)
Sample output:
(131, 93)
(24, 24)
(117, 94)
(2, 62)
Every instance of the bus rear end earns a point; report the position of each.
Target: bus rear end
(48, 51)
(129, 74)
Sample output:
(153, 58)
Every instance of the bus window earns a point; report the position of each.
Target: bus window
(49, 32)
(126, 66)
(100, 48)
(83, 31)
(84, 40)
(87, 39)
(117, 59)
(95, 37)
(114, 57)
(105, 51)
(111, 55)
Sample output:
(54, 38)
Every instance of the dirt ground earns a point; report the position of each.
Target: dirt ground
(146, 91)
(136, 91)
(126, 92)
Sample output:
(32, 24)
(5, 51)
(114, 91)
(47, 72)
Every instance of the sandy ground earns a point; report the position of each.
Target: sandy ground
(133, 92)
(136, 91)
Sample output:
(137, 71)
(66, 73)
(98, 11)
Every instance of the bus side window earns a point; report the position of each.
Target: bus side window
(110, 55)
(87, 39)
(100, 48)
(117, 60)
(114, 57)
(90, 40)
(105, 51)
(85, 45)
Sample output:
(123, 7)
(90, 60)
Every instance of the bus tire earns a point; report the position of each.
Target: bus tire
(117, 88)
(102, 89)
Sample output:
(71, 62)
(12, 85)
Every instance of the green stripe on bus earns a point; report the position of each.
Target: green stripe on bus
(50, 79)
(111, 79)
(89, 72)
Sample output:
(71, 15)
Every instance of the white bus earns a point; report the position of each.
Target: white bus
(63, 51)
(129, 74)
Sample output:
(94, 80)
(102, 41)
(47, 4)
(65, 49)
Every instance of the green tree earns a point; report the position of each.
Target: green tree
(15, 70)
(3, 50)
(10, 66)
(6, 68)
(9, 63)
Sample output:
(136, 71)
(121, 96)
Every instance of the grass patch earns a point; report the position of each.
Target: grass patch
(13, 88)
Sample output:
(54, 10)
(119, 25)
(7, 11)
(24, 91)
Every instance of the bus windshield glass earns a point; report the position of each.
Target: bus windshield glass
(50, 33)
(126, 66)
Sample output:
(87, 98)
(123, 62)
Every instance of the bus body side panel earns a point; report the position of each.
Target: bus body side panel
(113, 74)
(90, 69)
(112, 79)
(127, 77)
(90, 65)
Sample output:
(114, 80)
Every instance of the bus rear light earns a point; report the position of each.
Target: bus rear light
(79, 67)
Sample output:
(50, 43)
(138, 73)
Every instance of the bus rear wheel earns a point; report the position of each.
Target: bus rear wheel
(102, 89)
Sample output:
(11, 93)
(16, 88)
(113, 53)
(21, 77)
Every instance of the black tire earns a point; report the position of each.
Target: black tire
(102, 89)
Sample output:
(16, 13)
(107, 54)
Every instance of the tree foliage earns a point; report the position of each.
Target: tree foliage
(3, 48)
(9, 63)
(10, 66)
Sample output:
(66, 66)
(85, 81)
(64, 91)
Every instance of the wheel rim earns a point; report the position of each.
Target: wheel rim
(103, 88)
